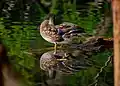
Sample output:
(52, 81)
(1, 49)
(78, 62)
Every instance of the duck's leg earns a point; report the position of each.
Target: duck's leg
(55, 48)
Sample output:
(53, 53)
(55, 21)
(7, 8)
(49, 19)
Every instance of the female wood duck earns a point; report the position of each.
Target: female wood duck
(59, 34)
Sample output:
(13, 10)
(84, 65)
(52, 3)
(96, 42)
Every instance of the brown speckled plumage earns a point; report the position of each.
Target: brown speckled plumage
(49, 32)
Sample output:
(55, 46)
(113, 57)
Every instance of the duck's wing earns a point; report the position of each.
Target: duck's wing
(70, 26)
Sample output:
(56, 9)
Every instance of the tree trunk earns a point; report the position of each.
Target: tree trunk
(116, 23)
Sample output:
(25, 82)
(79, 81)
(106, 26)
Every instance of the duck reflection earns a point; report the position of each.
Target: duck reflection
(63, 62)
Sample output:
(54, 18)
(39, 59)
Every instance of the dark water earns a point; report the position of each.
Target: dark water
(19, 22)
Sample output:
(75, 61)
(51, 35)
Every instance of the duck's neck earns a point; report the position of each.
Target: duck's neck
(51, 21)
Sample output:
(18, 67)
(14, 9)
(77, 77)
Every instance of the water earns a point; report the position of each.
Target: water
(19, 22)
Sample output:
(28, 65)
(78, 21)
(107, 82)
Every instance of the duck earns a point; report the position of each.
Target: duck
(57, 34)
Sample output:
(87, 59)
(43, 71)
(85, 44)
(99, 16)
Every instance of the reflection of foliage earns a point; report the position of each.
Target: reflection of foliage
(86, 77)
(17, 37)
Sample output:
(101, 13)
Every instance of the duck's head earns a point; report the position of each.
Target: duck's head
(49, 20)
(50, 17)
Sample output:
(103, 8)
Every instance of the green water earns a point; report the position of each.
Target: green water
(19, 22)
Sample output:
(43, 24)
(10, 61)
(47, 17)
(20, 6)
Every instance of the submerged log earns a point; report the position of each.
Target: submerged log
(95, 44)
